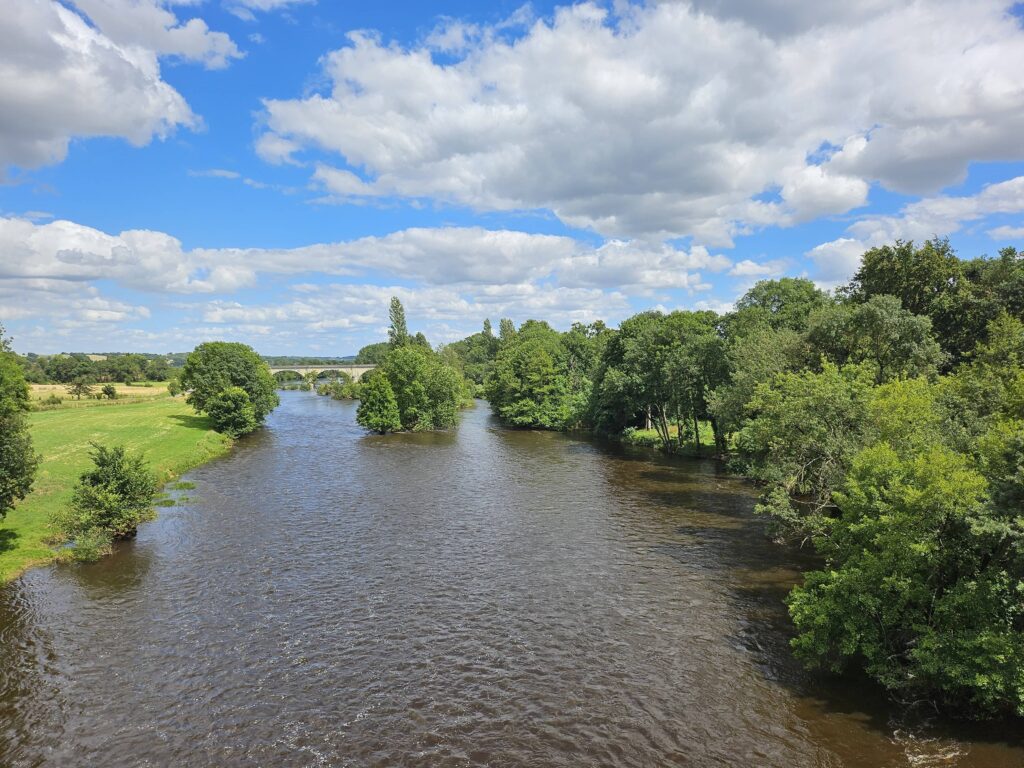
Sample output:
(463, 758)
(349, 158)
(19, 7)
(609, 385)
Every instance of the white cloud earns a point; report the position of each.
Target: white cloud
(155, 261)
(148, 25)
(750, 268)
(671, 119)
(62, 76)
(1007, 233)
(933, 216)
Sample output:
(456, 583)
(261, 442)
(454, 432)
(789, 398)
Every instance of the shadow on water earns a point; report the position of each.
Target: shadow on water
(722, 532)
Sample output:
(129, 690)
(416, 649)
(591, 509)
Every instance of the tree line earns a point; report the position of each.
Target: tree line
(884, 423)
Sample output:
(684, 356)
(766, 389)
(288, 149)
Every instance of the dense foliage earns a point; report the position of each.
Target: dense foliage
(413, 388)
(18, 461)
(67, 369)
(216, 367)
(232, 412)
(109, 502)
(885, 425)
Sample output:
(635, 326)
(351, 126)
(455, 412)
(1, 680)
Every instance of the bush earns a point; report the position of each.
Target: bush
(109, 502)
(173, 388)
(378, 409)
(232, 412)
(109, 391)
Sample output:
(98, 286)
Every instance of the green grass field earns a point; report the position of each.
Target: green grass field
(649, 437)
(170, 435)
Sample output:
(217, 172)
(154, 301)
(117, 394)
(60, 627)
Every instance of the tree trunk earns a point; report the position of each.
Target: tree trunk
(696, 432)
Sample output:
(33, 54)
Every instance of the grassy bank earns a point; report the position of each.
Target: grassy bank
(649, 438)
(170, 435)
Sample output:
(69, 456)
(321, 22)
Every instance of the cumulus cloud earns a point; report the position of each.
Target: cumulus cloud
(148, 25)
(155, 261)
(930, 217)
(709, 119)
(94, 72)
(449, 277)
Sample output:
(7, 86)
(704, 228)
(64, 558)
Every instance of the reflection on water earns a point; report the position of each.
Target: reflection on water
(486, 597)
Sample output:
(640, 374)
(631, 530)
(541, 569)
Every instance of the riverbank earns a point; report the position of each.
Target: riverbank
(166, 430)
(649, 438)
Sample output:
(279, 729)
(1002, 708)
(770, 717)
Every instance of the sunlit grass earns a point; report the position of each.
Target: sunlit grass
(171, 436)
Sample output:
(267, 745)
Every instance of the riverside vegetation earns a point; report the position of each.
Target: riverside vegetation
(132, 449)
(884, 423)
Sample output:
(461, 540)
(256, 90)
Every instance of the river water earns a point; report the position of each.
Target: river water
(484, 597)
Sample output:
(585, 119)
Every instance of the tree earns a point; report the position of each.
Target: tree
(803, 432)
(218, 365)
(398, 332)
(378, 409)
(754, 359)
(109, 391)
(157, 369)
(529, 386)
(80, 387)
(372, 354)
(506, 329)
(879, 331)
(18, 460)
(232, 412)
(784, 303)
(109, 502)
(659, 368)
(921, 585)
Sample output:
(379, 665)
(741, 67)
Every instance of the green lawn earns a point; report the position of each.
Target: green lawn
(649, 437)
(171, 436)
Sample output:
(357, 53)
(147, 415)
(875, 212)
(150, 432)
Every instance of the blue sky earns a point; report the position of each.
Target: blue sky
(271, 171)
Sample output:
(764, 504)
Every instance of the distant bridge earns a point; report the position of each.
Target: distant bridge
(355, 371)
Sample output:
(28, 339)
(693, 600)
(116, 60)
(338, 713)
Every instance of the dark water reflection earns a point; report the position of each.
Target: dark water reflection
(489, 597)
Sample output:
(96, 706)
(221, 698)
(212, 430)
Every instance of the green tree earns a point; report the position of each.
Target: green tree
(922, 584)
(218, 365)
(109, 502)
(659, 368)
(530, 385)
(506, 329)
(881, 332)
(18, 460)
(80, 387)
(372, 354)
(232, 412)
(109, 391)
(803, 432)
(378, 409)
(398, 331)
(751, 360)
(784, 303)
(157, 369)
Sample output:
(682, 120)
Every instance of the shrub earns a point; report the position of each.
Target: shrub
(109, 502)
(378, 408)
(232, 412)
(109, 391)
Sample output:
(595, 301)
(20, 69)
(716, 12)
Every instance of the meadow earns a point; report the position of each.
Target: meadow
(166, 430)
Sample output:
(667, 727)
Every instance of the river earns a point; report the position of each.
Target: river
(483, 597)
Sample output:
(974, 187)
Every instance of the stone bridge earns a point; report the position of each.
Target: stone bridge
(355, 371)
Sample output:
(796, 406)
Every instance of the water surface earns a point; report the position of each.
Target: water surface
(485, 597)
